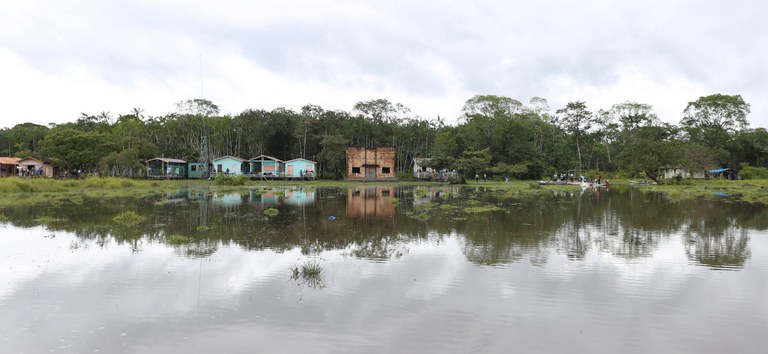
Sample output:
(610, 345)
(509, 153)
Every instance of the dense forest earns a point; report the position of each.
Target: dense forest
(496, 135)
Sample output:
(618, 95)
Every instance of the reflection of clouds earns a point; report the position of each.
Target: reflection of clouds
(431, 299)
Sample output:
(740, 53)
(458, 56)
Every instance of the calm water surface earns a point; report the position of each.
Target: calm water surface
(424, 269)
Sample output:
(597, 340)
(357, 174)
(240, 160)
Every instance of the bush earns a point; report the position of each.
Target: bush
(753, 172)
(231, 180)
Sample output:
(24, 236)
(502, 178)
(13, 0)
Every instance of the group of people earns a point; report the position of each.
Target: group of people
(571, 178)
(31, 172)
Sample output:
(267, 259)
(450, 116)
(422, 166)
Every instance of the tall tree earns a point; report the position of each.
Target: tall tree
(711, 120)
(576, 120)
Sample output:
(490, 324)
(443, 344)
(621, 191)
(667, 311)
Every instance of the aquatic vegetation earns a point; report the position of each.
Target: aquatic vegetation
(177, 239)
(203, 228)
(3, 218)
(481, 209)
(309, 273)
(47, 220)
(128, 218)
(420, 193)
(271, 212)
(231, 180)
(395, 201)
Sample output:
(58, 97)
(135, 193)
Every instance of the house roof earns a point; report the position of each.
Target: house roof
(229, 157)
(30, 159)
(265, 157)
(9, 160)
(720, 170)
(300, 159)
(167, 160)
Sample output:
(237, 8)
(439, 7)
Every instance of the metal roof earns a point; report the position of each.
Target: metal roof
(9, 160)
(167, 160)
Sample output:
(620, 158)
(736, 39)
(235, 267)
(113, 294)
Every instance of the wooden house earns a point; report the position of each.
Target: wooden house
(197, 170)
(300, 168)
(371, 165)
(32, 167)
(163, 167)
(230, 165)
(264, 166)
(9, 166)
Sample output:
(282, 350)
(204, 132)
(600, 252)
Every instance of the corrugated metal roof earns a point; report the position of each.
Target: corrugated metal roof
(167, 160)
(9, 160)
(719, 170)
(300, 159)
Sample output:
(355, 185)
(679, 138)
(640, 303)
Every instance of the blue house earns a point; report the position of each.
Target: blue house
(264, 166)
(197, 170)
(300, 168)
(230, 165)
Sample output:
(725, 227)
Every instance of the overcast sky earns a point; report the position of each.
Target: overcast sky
(61, 58)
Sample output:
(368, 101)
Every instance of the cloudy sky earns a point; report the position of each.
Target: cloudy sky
(61, 58)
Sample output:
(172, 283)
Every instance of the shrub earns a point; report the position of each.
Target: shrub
(231, 180)
(753, 172)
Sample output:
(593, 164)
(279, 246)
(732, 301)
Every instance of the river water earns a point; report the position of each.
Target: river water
(401, 269)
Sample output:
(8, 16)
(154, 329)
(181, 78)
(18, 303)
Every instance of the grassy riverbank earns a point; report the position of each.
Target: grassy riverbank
(15, 191)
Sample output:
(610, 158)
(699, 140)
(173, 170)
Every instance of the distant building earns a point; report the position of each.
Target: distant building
(231, 165)
(371, 165)
(300, 168)
(673, 172)
(9, 166)
(32, 167)
(163, 167)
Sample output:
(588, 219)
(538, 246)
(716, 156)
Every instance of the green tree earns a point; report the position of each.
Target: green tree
(711, 120)
(576, 120)
(70, 148)
(333, 155)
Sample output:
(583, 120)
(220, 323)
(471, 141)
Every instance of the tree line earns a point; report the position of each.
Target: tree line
(495, 135)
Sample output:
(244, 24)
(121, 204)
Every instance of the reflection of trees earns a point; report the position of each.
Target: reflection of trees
(717, 242)
(627, 224)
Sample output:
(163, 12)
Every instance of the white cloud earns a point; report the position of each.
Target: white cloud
(58, 60)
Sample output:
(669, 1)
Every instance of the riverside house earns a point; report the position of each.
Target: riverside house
(300, 168)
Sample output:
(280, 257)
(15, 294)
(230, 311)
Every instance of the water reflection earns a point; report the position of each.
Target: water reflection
(381, 222)
(376, 202)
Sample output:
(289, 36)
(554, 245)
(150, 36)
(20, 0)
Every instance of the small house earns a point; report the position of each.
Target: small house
(197, 170)
(9, 166)
(300, 168)
(724, 173)
(32, 167)
(231, 165)
(264, 166)
(163, 167)
(422, 169)
(371, 165)
(672, 172)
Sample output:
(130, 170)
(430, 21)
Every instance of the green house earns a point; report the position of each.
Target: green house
(162, 167)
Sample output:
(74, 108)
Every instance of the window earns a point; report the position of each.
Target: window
(355, 169)
(385, 193)
(193, 168)
(385, 170)
(218, 168)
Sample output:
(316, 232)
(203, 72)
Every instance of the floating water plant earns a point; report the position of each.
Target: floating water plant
(271, 212)
(128, 218)
(176, 239)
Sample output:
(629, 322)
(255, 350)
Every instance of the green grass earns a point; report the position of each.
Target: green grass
(309, 269)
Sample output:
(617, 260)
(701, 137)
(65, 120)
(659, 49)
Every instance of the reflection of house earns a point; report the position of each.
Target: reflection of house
(371, 165)
(227, 199)
(8, 166)
(263, 197)
(673, 172)
(33, 167)
(161, 167)
(371, 201)
(300, 168)
(264, 166)
(299, 197)
(231, 165)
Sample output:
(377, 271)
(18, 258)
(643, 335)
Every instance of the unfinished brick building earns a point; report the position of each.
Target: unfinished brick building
(371, 165)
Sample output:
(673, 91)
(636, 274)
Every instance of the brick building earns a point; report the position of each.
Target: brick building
(371, 165)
